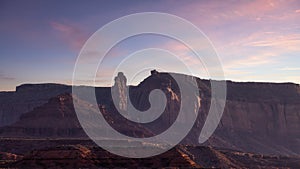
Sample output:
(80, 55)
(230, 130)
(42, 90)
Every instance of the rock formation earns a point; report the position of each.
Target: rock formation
(56, 118)
(258, 117)
(119, 90)
(81, 156)
(25, 99)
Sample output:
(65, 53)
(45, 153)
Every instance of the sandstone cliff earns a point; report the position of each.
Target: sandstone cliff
(26, 98)
(258, 117)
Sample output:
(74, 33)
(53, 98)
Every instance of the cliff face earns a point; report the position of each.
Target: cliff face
(258, 117)
(56, 118)
(270, 118)
(261, 117)
(25, 99)
(265, 127)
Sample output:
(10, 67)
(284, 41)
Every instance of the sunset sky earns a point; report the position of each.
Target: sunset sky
(40, 40)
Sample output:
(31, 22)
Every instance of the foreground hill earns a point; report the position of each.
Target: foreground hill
(79, 156)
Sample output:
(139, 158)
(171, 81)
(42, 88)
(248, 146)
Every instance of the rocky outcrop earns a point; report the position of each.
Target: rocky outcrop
(120, 91)
(79, 156)
(9, 157)
(25, 99)
(262, 126)
(258, 117)
(57, 119)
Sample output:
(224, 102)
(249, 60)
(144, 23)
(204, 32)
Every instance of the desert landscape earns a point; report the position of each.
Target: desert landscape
(259, 128)
(164, 84)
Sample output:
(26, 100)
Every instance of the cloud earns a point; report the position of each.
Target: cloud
(6, 78)
(290, 68)
(289, 42)
(217, 12)
(254, 60)
(72, 35)
(260, 49)
(249, 35)
(243, 67)
(179, 50)
(229, 21)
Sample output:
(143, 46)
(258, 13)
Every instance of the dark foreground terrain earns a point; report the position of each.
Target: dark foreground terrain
(64, 153)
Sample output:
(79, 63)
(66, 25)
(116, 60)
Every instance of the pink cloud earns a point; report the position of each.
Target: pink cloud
(285, 43)
(72, 35)
(258, 49)
(216, 11)
(237, 18)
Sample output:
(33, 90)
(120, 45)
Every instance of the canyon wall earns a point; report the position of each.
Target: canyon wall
(26, 98)
(258, 117)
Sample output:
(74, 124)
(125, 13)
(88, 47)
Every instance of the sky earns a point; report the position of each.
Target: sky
(40, 41)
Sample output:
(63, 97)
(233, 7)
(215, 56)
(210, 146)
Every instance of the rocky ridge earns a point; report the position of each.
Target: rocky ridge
(79, 156)
(258, 117)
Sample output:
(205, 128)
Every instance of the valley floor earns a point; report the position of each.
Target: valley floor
(83, 153)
